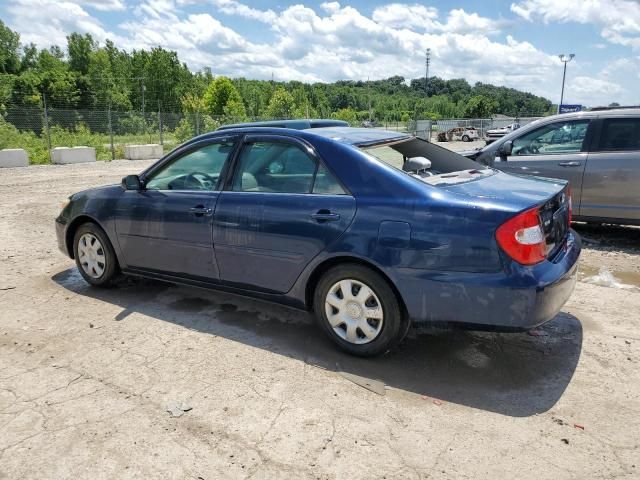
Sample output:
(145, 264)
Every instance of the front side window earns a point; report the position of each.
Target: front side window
(560, 137)
(196, 170)
(620, 135)
(274, 167)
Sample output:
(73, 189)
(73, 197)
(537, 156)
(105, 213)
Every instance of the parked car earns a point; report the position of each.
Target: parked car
(598, 152)
(465, 134)
(494, 134)
(371, 124)
(354, 224)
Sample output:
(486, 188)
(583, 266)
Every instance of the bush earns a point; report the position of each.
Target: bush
(11, 137)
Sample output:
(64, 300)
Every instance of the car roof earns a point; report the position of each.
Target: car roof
(360, 137)
(301, 124)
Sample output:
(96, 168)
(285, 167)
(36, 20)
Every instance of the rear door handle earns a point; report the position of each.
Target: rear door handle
(325, 216)
(570, 164)
(201, 210)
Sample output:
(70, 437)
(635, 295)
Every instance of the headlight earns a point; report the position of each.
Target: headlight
(65, 203)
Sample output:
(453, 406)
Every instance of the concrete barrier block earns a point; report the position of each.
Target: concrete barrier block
(66, 155)
(13, 157)
(143, 152)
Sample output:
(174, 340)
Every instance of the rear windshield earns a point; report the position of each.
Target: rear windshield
(446, 166)
(387, 155)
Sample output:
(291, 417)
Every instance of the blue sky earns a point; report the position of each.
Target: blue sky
(506, 43)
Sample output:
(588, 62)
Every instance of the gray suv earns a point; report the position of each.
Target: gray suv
(597, 151)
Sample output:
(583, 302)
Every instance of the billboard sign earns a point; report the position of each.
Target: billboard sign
(570, 108)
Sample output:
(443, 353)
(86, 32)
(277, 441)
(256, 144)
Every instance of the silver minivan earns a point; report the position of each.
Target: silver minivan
(597, 151)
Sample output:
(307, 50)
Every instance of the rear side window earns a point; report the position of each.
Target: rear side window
(326, 183)
(620, 135)
(279, 167)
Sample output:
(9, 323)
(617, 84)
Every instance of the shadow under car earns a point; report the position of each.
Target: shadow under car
(515, 374)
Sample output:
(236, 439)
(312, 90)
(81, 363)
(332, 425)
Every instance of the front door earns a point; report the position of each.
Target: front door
(167, 227)
(282, 208)
(555, 150)
(611, 186)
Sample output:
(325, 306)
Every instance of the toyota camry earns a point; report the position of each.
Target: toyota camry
(371, 230)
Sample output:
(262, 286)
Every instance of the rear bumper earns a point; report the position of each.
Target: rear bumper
(518, 298)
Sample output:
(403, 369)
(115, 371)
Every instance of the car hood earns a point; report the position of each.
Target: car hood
(97, 192)
(506, 191)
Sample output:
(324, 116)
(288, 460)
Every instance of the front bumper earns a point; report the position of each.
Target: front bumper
(518, 298)
(61, 235)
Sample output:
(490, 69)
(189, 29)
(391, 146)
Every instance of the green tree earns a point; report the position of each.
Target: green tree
(219, 93)
(9, 50)
(79, 48)
(346, 114)
(281, 104)
(480, 106)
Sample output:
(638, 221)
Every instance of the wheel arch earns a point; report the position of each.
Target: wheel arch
(329, 263)
(73, 227)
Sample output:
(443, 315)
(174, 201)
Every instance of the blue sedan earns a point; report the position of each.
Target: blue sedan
(371, 230)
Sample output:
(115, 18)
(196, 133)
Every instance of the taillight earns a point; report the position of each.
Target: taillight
(522, 238)
(570, 205)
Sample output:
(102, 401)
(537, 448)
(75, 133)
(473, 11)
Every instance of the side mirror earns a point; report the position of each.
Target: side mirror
(506, 148)
(416, 164)
(131, 182)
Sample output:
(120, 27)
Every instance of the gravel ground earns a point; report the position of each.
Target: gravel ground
(87, 375)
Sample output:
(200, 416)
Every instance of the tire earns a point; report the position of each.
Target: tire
(342, 315)
(98, 265)
(465, 138)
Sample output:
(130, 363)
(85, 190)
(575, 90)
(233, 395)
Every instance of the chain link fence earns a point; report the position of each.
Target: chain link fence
(38, 129)
(429, 129)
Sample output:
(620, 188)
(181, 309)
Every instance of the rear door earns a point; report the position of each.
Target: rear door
(281, 208)
(611, 185)
(555, 150)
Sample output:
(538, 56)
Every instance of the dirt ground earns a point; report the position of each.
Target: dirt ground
(86, 375)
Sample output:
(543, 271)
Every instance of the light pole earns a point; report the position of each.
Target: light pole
(564, 59)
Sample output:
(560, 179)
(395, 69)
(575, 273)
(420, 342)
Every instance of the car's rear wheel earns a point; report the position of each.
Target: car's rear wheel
(359, 311)
(94, 255)
(465, 138)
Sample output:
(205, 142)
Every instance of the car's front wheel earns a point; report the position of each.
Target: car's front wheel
(466, 138)
(94, 255)
(359, 311)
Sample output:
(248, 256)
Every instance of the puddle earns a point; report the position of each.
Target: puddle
(606, 277)
(192, 304)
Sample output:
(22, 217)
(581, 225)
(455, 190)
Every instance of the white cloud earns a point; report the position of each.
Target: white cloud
(400, 15)
(335, 41)
(619, 19)
(599, 92)
(102, 5)
(460, 21)
(48, 22)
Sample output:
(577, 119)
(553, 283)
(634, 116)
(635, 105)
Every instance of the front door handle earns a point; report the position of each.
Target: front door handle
(325, 216)
(201, 211)
(570, 164)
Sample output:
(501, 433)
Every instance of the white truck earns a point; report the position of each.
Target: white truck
(494, 134)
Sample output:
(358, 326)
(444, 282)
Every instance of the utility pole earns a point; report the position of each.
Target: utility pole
(426, 73)
(564, 59)
(369, 94)
(144, 88)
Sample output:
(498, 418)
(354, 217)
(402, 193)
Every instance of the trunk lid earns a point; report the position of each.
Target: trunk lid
(518, 193)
